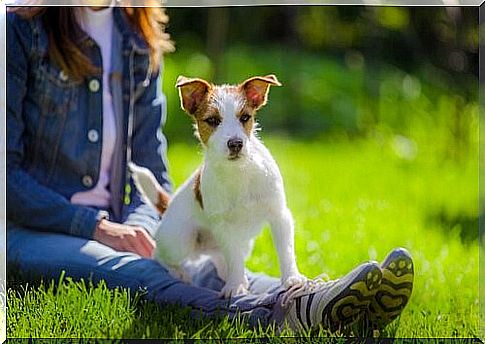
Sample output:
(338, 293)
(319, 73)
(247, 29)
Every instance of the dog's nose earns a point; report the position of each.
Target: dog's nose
(235, 145)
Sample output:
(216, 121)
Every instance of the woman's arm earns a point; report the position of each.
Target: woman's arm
(30, 203)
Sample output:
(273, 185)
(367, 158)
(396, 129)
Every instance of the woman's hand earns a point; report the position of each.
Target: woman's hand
(125, 238)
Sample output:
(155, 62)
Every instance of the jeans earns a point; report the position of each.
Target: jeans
(48, 254)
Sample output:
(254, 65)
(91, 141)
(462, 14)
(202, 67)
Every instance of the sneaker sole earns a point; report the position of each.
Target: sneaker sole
(395, 289)
(356, 297)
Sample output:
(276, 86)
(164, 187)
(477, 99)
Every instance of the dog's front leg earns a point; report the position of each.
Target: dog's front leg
(282, 229)
(236, 283)
(174, 244)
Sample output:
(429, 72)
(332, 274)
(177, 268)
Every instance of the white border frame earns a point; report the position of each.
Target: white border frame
(231, 3)
(206, 3)
(3, 178)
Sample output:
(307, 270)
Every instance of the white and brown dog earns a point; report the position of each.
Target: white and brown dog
(221, 208)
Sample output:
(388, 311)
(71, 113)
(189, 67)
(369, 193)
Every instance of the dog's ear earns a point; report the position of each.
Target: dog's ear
(256, 89)
(192, 92)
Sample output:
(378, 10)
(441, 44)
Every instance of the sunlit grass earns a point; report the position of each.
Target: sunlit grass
(352, 201)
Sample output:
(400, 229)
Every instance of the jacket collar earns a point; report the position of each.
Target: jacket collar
(124, 26)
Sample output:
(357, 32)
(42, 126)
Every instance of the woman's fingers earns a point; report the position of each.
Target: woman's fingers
(125, 238)
(141, 243)
(147, 242)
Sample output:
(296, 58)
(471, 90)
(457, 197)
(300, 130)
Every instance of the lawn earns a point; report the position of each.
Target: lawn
(353, 200)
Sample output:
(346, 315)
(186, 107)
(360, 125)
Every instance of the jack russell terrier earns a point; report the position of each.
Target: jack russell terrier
(221, 208)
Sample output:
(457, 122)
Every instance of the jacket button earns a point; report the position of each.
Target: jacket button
(87, 181)
(63, 76)
(94, 85)
(93, 136)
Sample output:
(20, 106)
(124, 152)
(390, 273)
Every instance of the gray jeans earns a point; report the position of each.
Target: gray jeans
(48, 254)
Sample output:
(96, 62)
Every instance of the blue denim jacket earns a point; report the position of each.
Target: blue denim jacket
(54, 130)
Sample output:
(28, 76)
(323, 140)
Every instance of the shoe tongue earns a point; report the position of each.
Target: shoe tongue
(319, 285)
(309, 287)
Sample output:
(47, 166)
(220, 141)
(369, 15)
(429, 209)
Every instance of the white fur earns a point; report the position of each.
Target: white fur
(239, 196)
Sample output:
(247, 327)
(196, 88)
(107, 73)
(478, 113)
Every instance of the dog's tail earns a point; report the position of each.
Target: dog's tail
(151, 191)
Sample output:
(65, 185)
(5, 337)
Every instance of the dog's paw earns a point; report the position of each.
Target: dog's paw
(233, 289)
(293, 280)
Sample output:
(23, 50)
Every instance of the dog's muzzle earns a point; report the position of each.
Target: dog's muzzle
(235, 146)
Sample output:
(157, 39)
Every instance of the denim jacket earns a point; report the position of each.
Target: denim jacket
(54, 130)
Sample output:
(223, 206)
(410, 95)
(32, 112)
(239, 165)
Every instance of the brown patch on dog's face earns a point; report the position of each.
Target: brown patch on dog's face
(247, 120)
(195, 95)
(207, 119)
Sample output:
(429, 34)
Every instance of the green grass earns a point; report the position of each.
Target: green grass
(352, 201)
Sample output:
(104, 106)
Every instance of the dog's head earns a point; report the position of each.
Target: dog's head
(224, 115)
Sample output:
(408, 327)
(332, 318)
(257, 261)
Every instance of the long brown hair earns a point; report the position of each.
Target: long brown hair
(61, 26)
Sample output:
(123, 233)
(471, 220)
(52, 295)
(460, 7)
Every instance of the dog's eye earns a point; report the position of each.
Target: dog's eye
(244, 118)
(213, 121)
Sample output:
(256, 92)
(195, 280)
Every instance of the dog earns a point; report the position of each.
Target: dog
(220, 209)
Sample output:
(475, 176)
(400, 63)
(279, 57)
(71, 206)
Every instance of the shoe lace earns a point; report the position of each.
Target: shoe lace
(314, 285)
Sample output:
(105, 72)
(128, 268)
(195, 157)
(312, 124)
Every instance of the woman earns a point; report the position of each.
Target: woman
(83, 99)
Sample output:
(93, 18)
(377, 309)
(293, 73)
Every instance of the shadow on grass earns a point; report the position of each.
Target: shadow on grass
(18, 280)
(466, 225)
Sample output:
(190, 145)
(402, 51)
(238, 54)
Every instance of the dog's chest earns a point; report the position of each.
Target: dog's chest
(242, 195)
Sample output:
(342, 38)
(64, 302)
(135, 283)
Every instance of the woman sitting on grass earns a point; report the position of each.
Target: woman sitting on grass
(83, 99)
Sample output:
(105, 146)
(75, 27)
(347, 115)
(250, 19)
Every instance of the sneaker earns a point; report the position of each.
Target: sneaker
(333, 304)
(394, 291)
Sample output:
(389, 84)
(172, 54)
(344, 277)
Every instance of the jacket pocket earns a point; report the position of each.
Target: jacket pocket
(54, 93)
(54, 89)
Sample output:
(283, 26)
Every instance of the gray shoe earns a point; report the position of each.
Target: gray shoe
(333, 304)
(394, 291)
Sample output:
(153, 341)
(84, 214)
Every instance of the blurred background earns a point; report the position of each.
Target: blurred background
(349, 71)
(403, 80)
